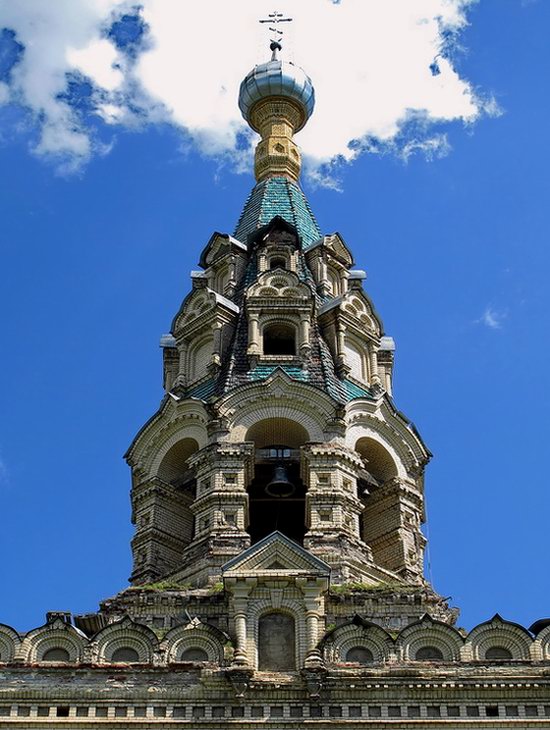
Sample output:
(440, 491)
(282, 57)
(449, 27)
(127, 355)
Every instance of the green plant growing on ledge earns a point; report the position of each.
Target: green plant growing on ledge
(346, 589)
(163, 585)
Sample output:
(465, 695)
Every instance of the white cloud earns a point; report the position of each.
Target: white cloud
(492, 318)
(369, 61)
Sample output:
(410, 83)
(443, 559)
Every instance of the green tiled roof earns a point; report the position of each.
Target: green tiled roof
(261, 372)
(278, 196)
(355, 391)
(202, 390)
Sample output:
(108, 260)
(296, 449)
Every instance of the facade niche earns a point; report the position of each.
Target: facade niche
(276, 642)
(56, 655)
(194, 654)
(125, 654)
(360, 655)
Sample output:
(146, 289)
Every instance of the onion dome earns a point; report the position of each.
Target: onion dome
(276, 99)
(277, 78)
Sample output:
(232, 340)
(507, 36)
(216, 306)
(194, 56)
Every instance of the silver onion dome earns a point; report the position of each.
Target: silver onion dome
(277, 78)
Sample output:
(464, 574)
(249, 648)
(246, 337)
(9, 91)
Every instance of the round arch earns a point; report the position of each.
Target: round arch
(174, 462)
(380, 463)
(277, 431)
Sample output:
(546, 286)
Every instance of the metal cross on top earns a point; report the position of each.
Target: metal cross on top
(274, 19)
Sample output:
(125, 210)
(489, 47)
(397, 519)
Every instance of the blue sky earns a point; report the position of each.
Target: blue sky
(98, 239)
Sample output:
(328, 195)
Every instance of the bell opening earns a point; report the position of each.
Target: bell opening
(277, 495)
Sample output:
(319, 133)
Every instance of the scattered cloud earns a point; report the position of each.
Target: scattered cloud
(85, 69)
(492, 318)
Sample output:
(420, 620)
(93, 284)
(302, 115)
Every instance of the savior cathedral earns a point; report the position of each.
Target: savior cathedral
(277, 498)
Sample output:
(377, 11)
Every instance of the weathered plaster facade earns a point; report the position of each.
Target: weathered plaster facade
(277, 498)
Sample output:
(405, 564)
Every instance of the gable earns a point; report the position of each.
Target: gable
(276, 553)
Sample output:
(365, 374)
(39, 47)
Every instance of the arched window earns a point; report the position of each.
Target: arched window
(56, 655)
(279, 339)
(276, 642)
(125, 654)
(194, 654)
(498, 653)
(360, 654)
(429, 654)
(277, 262)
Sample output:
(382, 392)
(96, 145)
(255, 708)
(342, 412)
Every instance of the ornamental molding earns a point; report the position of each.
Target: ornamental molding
(174, 420)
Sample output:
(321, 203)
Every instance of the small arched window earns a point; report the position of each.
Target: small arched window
(360, 654)
(56, 655)
(498, 653)
(277, 262)
(279, 339)
(194, 654)
(429, 654)
(125, 654)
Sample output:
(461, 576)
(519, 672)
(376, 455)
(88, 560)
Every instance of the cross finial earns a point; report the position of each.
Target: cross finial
(274, 19)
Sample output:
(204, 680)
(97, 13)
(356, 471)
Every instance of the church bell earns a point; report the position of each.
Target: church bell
(280, 486)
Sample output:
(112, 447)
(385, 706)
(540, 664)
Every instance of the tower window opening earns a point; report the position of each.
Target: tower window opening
(279, 339)
(277, 262)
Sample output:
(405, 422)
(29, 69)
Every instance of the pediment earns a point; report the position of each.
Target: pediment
(199, 303)
(335, 244)
(218, 246)
(278, 283)
(356, 305)
(276, 554)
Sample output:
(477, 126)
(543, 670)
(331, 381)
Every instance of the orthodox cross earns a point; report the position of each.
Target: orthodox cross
(274, 19)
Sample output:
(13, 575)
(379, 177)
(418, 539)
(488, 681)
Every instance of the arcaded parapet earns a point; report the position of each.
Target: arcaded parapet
(124, 641)
(9, 643)
(358, 642)
(56, 641)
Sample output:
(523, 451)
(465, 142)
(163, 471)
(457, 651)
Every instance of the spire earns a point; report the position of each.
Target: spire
(276, 99)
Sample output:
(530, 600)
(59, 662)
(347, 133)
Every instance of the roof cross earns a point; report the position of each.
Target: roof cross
(274, 19)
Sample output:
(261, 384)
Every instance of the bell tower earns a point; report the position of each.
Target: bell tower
(277, 414)
(277, 497)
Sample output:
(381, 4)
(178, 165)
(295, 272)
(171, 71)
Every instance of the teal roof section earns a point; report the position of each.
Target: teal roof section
(355, 391)
(278, 196)
(261, 372)
(203, 390)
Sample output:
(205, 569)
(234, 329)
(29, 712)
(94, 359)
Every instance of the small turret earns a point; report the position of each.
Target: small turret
(276, 99)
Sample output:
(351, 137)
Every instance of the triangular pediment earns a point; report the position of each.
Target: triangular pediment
(275, 554)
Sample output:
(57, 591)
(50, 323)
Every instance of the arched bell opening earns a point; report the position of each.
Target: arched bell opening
(379, 462)
(174, 470)
(277, 495)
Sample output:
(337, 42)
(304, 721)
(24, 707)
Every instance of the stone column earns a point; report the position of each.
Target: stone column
(373, 358)
(253, 334)
(305, 345)
(312, 599)
(240, 590)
